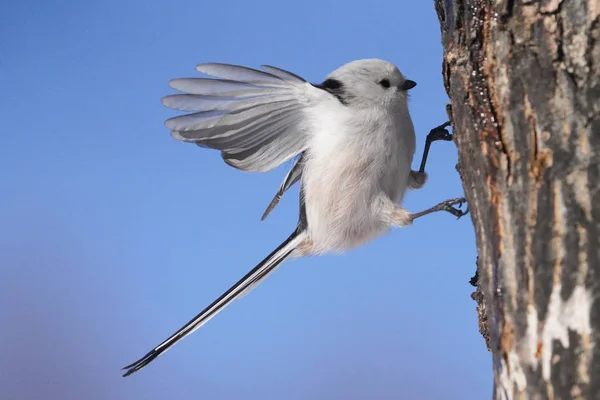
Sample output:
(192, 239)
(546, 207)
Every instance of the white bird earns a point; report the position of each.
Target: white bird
(351, 135)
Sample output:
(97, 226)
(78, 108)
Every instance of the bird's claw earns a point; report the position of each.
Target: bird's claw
(448, 206)
(440, 133)
(453, 206)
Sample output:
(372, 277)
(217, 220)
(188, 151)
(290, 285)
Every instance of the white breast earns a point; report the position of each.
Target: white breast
(351, 160)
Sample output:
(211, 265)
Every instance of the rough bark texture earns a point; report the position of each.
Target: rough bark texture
(524, 82)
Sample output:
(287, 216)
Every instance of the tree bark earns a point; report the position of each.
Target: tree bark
(523, 78)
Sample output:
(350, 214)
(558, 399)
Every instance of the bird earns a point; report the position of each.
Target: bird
(351, 139)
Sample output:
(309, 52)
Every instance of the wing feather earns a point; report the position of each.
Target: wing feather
(239, 73)
(283, 74)
(255, 118)
(290, 179)
(193, 102)
(220, 87)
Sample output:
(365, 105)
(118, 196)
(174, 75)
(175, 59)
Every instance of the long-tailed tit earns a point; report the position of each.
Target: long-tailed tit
(352, 139)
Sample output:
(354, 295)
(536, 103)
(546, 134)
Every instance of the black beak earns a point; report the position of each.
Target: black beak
(407, 85)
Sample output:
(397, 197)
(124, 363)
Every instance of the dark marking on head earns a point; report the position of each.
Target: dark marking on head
(332, 84)
(334, 87)
(385, 83)
(407, 85)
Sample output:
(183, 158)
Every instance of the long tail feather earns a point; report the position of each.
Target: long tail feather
(250, 280)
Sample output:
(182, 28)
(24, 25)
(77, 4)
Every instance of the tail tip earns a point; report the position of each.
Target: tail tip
(130, 369)
(141, 363)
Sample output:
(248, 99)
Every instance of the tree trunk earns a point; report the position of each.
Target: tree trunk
(524, 83)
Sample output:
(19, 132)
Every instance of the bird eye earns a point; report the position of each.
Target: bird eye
(385, 83)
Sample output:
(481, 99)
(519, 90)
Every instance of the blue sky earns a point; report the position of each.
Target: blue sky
(114, 234)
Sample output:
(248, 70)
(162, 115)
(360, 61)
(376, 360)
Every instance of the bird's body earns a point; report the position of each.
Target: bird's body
(346, 173)
(352, 138)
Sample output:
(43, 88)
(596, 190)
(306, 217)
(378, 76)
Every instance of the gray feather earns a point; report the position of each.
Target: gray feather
(239, 73)
(219, 87)
(213, 117)
(253, 117)
(283, 74)
(249, 134)
(290, 179)
(263, 158)
(191, 102)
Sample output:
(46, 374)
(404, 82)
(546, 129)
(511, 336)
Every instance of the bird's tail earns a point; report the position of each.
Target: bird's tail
(249, 281)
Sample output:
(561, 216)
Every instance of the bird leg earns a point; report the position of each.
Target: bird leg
(400, 217)
(447, 206)
(437, 133)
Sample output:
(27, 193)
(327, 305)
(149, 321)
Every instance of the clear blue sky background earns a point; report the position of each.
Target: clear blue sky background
(113, 234)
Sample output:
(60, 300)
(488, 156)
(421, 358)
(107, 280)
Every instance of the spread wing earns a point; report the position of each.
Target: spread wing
(255, 118)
